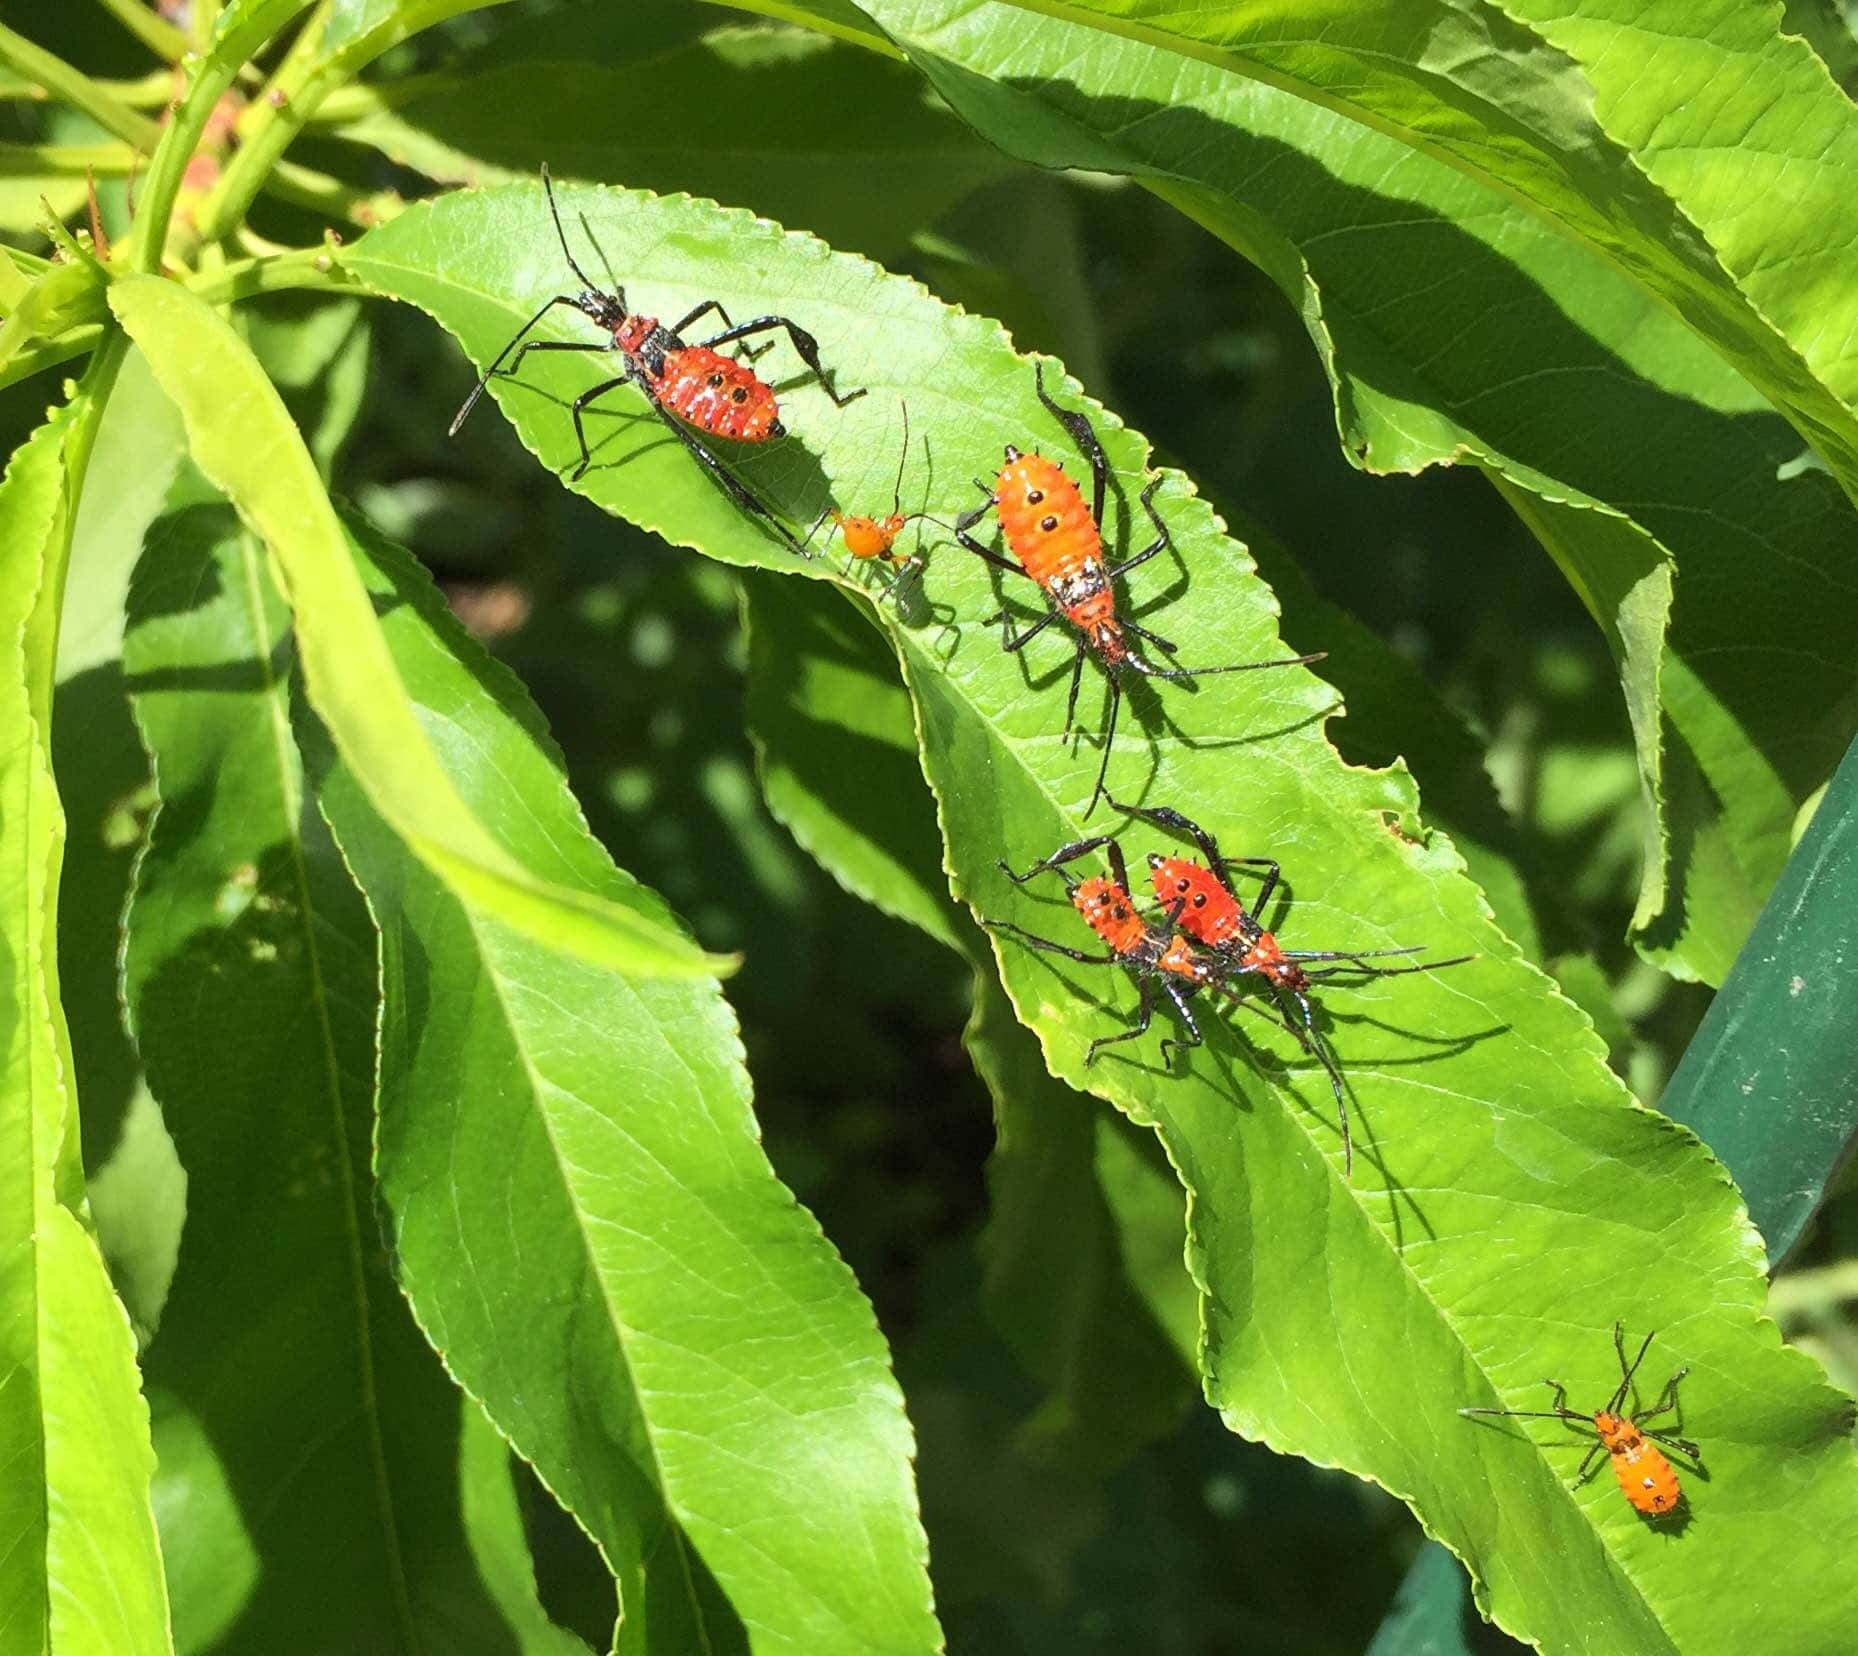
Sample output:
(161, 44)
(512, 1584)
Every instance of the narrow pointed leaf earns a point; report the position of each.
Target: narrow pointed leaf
(787, 117)
(284, 1337)
(1467, 312)
(80, 1569)
(1767, 1080)
(836, 739)
(1344, 1320)
(590, 1234)
(243, 439)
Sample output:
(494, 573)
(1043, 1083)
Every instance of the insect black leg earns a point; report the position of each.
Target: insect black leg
(1587, 1461)
(1194, 1038)
(1045, 945)
(732, 486)
(1310, 1039)
(578, 408)
(1626, 1370)
(1145, 1014)
(1109, 729)
(1161, 816)
(967, 521)
(1118, 868)
(1667, 1399)
(1077, 682)
(1009, 640)
(520, 337)
(703, 309)
(1085, 436)
(1273, 872)
(747, 353)
(1314, 1043)
(1163, 536)
(1165, 645)
(805, 345)
(1063, 855)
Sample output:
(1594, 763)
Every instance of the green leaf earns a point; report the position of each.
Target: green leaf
(1609, 376)
(494, 1523)
(100, 765)
(80, 1570)
(1767, 1080)
(315, 348)
(1343, 1321)
(283, 1338)
(786, 117)
(1432, 1615)
(592, 1237)
(836, 742)
(1569, 133)
(836, 752)
(243, 439)
(212, 1566)
(1398, 719)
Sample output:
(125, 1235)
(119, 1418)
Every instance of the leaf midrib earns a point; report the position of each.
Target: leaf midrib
(1303, 1119)
(290, 794)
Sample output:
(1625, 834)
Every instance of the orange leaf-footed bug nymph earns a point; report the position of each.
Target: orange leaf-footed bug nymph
(868, 538)
(1203, 903)
(1156, 956)
(691, 386)
(1646, 1477)
(1058, 543)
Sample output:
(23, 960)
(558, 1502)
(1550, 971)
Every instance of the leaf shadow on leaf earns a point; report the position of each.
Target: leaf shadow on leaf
(99, 763)
(1421, 381)
(227, 677)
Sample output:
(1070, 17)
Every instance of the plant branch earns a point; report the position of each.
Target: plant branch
(276, 120)
(48, 353)
(155, 32)
(321, 193)
(67, 160)
(306, 267)
(212, 75)
(58, 79)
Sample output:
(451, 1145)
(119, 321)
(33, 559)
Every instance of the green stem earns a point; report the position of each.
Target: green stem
(270, 122)
(356, 102)
(206, 19)
(66, 160)
(213, 74)
(48, 353)
(304, 187)
(58, 79)
(305, 85)
(308, 267)
(155, 32)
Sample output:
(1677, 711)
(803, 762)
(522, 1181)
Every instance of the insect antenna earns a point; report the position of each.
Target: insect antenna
(1148, 669)
(1349, 961)
(1534, 1414)
(567, 252)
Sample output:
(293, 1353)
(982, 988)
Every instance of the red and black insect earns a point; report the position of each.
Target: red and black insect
(1058, 543)
(869, 538)
(1202, 902)
(1646, 1477)
(1154, 955)
(690, 385)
